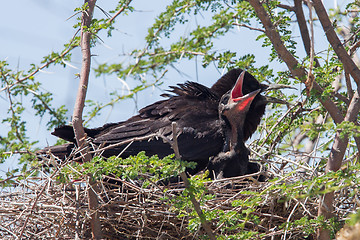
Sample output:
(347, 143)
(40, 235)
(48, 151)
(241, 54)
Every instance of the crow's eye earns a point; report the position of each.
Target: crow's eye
(225, 99)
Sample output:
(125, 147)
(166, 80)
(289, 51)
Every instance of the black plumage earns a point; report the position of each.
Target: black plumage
(192, 106)
(234, 159)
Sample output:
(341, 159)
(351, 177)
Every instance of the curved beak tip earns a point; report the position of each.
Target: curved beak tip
(237, 89)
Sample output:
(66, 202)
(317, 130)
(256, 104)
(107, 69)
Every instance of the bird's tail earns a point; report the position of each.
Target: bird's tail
(65, 132)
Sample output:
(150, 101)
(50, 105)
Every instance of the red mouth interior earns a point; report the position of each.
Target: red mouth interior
(236, 92)
(242, 105)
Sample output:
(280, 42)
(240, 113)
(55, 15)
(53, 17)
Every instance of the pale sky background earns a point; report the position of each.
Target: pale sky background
(31, 29)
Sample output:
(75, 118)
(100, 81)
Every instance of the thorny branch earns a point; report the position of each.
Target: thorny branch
(195, 203)
(125, 6)
(35, 203)
(247, 26)
(20, 79)
(70, 47)
(132, 92)
(38, 69)
(84, 76)
(11, 107)
(78, 110)
(291, 61)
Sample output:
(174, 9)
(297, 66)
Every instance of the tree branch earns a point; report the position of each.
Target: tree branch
(84, 76)
(35, 202)
(78, 109)
(335, 42)
(338, 150)
(196, 204)
(339, 147)
(64, 52)
(346, 34)
(303, 28)
(291, 61)
(287, 7)
(310, 77)
(334, 163)
(351, 116)
(120, 11)
(247, 26)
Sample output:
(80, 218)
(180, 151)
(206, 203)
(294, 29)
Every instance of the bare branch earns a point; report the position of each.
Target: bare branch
(310, 77)
(341, 97)
(338, 150)
(120, 11)
(247, 26)
(84, 76)
(334, 163)
(77, 115)
(346, 34)
(291, 61)
(354, 47)
(349, 85)
(35, 202)
(287, 7)
(335, 42)
(303, 28)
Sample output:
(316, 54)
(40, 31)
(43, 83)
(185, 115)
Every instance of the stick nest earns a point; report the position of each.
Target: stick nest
(41, 208)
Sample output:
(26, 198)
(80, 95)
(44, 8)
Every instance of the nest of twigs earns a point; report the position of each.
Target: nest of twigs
(41, 208)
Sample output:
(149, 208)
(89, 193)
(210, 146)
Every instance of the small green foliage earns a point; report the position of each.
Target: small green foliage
(141, 168)
(354, 218)
(308, 226)
(348, 129)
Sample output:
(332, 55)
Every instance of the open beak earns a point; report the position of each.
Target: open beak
(237, 93)
(237, 97)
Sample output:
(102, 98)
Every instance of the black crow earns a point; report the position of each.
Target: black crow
(234, 159)
(194, 108)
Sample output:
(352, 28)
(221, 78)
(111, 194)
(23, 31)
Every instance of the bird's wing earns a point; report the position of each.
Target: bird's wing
(192, 106)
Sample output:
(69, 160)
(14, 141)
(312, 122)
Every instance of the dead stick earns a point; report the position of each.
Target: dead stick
(195, 203)
(35, 203)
